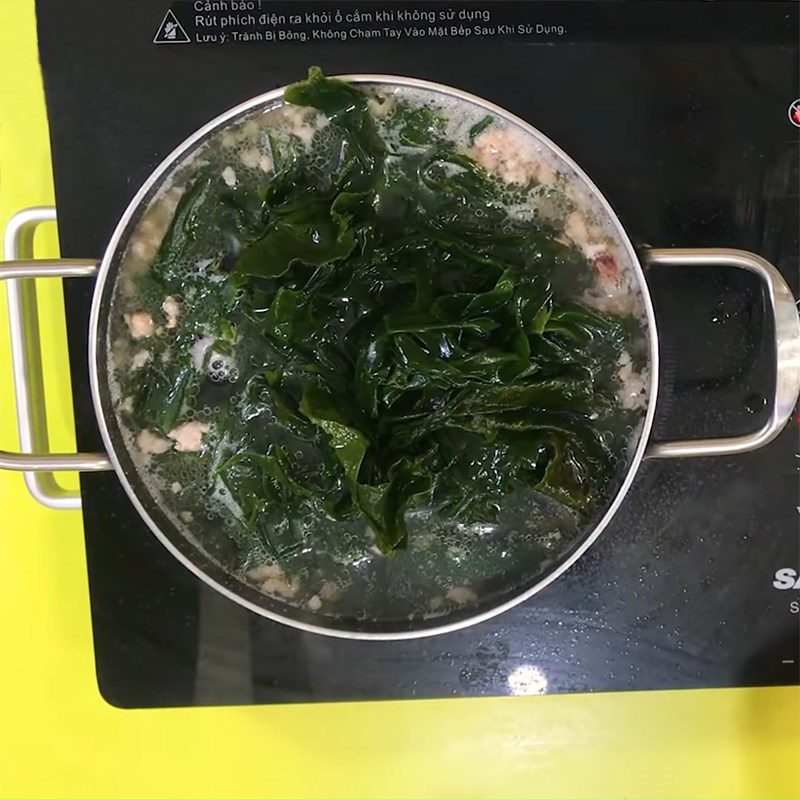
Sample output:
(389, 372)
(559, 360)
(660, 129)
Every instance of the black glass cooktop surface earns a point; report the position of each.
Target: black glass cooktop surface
(679, 114)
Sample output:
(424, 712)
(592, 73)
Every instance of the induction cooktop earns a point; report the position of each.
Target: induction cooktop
(679, 113)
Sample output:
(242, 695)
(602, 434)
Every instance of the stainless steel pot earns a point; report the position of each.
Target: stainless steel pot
(40, 466)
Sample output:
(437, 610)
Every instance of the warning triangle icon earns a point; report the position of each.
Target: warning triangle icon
(171, 31)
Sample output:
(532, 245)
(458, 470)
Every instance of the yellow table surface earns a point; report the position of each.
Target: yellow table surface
(59, 738)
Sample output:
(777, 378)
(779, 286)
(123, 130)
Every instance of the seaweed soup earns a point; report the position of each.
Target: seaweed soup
(377, 352)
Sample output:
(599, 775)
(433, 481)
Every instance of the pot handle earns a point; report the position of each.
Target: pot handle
(26, 361)
(787, 351)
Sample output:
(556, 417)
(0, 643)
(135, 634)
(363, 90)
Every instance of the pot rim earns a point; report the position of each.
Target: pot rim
(142, 196)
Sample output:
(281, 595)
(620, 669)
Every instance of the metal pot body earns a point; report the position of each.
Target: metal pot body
(40, 466)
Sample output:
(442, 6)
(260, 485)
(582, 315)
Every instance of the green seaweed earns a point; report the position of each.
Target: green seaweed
(417, 346)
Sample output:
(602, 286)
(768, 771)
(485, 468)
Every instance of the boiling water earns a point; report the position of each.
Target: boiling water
(338, 571)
